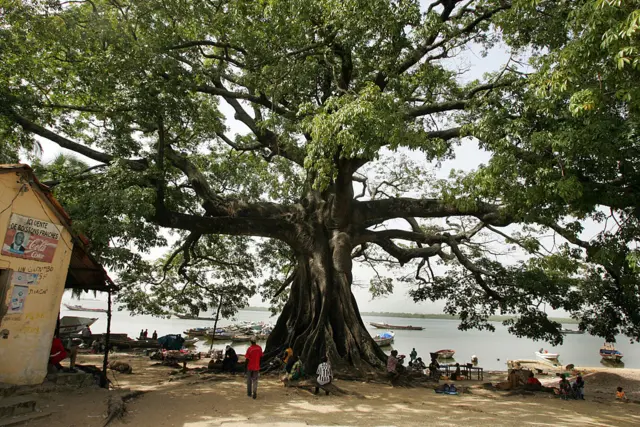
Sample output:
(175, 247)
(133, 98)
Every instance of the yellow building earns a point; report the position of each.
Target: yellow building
(40, 256)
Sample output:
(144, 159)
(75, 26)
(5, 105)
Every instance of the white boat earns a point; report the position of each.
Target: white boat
(546, 355)
(72, 324)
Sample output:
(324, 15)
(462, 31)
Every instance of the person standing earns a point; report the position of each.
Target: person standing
(413, 354)
(253, 356)
(155, 335)
(141, 337)
(145, 334)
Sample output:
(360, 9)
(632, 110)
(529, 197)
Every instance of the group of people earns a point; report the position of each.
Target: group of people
(290, 364)
(569, 390)
(395, 365)
(144, 334)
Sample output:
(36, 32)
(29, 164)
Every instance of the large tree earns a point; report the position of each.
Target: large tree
(321, 94)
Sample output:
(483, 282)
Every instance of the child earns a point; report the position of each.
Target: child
(620, 395)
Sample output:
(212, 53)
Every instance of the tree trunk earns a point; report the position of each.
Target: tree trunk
(321, 316)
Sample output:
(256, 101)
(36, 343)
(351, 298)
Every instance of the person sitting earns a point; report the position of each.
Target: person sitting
(565, 387)
(533, 381)
(289, 364)
(392, 366)
(456, 375)
(578, 388)
(324, 374)
(419, 364)
(434, 369)
(58, 353)
(620, 395)
(296, 370)
(230, 360)
(155, 335)
(286, 355)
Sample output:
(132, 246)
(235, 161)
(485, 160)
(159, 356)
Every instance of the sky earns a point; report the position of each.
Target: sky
(468, 156)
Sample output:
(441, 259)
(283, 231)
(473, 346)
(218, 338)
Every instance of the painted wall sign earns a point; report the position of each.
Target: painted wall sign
(30, 238)
(16, 303)
(24, 279)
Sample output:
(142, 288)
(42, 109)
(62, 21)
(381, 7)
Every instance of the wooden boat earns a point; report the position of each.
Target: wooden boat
(570, 331)
(191, 317)
(197, 332)
(609, 352)
(73, 325)
(384, 339)
(546, 355)
(388, 326)
(445, 354)
(384, 342)
(81, 308)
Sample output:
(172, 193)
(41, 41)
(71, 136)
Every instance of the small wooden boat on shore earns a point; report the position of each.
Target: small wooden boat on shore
(81, 308)
(73, 325)
(388, 326)
(609, 352)
(445, 354)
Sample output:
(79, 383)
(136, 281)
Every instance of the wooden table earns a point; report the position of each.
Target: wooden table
(466, 371)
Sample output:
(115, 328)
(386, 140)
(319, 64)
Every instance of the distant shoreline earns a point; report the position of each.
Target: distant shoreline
(429, 315)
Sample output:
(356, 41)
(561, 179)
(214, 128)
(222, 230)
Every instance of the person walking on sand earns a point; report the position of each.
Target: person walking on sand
(253, 356)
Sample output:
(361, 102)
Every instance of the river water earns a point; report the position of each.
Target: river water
(492, 348)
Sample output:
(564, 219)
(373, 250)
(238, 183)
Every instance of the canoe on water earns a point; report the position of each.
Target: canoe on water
(388, 326)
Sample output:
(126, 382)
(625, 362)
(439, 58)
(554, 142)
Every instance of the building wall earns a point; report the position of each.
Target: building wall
(25, 352)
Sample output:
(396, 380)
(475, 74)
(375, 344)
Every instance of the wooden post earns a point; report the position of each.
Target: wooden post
(215, 325)
(104, 383)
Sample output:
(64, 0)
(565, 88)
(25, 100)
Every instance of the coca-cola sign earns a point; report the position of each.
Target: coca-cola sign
(31, 238)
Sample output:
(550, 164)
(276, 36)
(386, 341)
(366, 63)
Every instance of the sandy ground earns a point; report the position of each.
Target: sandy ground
(203, 400)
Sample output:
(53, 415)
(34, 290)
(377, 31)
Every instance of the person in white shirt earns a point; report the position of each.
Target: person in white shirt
(324, 374)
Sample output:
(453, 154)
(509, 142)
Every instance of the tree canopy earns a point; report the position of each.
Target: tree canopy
(284, 140)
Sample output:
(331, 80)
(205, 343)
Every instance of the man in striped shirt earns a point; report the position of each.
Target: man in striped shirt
(324, 374)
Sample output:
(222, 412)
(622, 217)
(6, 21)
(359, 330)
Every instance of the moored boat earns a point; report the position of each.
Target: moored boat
(570, 331)
(384, 339)
(388, 326)
(445, 354)
(192, 317)
(81, 308)
(609, 352)
(384, 342)
(72, 324)
(544, 354)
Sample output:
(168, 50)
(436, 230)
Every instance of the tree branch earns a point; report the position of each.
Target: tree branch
(374, 212)
(29, 126)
